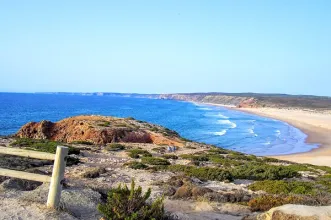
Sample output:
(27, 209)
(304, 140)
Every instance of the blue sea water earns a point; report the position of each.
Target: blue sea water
(203, 123)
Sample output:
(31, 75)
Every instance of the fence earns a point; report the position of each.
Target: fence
(55, 181)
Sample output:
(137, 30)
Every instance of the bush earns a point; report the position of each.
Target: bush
(136, 165)
(263, 172)
(216, 150)
(202, 173)
(72, 161)
(283, 187)
(130, 204)
(154, 161)
(170, 156)
(266, 202)
(202, 157)
(114, 147)
(136, 153)
(42, 145)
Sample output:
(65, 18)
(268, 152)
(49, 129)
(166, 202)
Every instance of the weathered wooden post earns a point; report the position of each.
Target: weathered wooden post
(55, 187)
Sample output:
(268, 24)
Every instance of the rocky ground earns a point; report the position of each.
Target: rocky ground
(198, 181)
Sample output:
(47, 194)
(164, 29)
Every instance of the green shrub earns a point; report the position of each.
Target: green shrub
(263, 172)
(300, 167)
(219, 159)
(170, 156)
(136, 165)
(136, 153)
(202, 157)
(325, 181)
(202, 173)
(130, 204)
(270, 160)
(233, 156)
(216, 150)
(266, 202)
(115, 147)
(154, 161)
(283, 187)
(42, 145)
(72, 161)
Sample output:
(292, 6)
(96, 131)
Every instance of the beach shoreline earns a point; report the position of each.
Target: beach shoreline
(316, 125)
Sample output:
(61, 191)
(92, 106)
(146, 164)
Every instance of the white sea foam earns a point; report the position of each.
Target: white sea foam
(220, 133)
(227, 122)
(278, 133)
(251, 131)
(206, 109)
(222, 116)
(267, 143)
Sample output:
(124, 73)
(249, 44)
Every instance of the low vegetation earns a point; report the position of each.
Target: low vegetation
(154, 161)
(283, 187)
(266, 202)
(202, 173)
(170, 156)
(104, 123)
(136, 153)
(42, 145)
(131, 204)
(136, 165)
(115, 147)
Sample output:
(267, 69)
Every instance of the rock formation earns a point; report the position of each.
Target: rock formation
(99, 130)
(299, 212)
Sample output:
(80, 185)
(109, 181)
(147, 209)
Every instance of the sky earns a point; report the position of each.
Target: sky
(156, 46)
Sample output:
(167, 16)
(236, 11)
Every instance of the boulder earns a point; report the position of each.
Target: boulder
(297, 212)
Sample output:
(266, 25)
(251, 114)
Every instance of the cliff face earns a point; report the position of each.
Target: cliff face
(238, 101)
(99, 130)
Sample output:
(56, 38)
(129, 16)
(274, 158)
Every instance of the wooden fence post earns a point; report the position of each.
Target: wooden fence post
(55, 187)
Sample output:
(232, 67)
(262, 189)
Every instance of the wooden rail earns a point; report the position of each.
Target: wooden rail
(27, 153)
(55, 181)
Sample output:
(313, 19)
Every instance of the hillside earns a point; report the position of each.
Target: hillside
(253, 100)
(199, 181)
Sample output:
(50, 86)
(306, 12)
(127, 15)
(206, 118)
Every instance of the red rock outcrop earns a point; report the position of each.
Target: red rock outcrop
(99, 130)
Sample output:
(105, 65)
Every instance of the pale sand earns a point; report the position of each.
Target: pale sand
(316, 125)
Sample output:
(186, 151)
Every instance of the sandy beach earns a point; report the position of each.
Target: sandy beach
(316, 125)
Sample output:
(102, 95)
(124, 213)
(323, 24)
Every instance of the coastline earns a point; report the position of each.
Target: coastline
(316, 125)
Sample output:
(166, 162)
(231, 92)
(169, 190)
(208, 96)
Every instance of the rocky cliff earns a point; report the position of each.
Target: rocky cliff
(99, 130)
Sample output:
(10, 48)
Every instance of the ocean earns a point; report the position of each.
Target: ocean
(216, 125)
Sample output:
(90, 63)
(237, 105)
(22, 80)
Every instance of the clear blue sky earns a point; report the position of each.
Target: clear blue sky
(278, 46)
